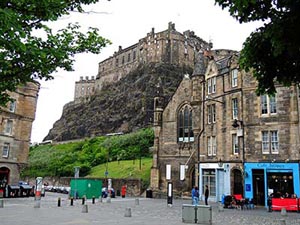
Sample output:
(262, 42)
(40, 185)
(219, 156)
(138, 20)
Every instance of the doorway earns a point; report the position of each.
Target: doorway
(258, 186)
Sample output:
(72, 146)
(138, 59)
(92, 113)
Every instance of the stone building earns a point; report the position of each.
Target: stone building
(216, 131)
(168, 46)
(15, 130)
(84, 89)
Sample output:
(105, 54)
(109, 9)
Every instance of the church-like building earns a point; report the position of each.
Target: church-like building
(216, 131)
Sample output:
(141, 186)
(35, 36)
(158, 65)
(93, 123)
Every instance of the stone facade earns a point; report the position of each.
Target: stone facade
(84, 89)
(216, 131)
(169, 46)
(15, 131)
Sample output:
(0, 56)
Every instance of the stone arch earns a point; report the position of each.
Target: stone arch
(237, 180)
(4, 176)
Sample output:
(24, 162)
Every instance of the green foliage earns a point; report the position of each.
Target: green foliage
(272, 51)
(60, 159)
(25, 56)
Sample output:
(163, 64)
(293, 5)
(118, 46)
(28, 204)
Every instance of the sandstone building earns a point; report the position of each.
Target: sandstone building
(15, 130)
(216, 131)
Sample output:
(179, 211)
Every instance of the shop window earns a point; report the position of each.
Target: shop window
(211, 146)
(281, 184)
(185, 129)
(209, 179)
(270, 142)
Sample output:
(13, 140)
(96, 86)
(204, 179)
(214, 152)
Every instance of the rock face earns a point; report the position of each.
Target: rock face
(124, 106)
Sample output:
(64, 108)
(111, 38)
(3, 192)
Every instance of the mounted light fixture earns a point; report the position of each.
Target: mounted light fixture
(220, 163)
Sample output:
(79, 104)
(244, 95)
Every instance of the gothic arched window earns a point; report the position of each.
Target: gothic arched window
(185, 124)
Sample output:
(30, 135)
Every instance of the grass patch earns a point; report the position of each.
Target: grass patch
(124, 169)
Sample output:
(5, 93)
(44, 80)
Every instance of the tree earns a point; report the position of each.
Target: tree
(25, 57)
(273, 50)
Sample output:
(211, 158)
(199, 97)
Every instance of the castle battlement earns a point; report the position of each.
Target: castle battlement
(168, 46)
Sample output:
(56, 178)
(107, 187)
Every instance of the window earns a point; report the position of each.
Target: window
(211, 85)
(268, 104)
(270, 142)
(128, 59)
(5, 150)
(234, 78)
(12, 106)
(185, 129)
(211, 113)
(235, 144)
(211, 146)
(9, 126)
(234, 108)
(134, 55)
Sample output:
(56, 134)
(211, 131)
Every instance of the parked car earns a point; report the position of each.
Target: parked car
(105, 192)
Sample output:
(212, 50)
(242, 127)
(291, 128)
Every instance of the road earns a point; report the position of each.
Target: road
(22, 211)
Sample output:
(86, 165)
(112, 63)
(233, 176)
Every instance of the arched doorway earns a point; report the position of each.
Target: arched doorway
(237, 181)
(4, 178)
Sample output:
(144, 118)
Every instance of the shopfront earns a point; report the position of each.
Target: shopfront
(264, 179)
(217, 178)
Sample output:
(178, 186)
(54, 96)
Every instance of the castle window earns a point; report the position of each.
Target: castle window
(5, 150)
(234, 78)
(268, 104)
(235, 108)
(117, 62)
(128, 60)
(134, 55)
(185, 129)
(270, 142)
(211, 146)
(123, 59)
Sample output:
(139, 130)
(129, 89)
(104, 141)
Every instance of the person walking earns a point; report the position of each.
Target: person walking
(195, 196)
(206, 194)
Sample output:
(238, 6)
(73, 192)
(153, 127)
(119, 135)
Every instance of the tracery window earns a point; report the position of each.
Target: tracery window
(185, 124)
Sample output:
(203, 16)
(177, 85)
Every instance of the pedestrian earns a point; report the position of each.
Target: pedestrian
(206, 194)
(195, 195)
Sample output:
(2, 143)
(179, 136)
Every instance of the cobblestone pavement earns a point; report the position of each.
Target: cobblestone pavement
(21, 211)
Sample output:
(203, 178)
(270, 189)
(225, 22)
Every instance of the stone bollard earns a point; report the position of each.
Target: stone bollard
(1, 203)
(128, 212)
(220, 208)
(37, 204)
(84, 209)
(281, 222)
(58, 202)
(108, 199)
(100, 199)
(137, 201)
(283, 212)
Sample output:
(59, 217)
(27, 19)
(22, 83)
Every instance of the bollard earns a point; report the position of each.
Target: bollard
(220, 208)
(84, 209)
(93, 200)
(137, 201)
(72, 201)
(100, 199)
(283, 212)
(83, 200)
(1, 203)
(108, 199)
(58, 202)
(128, 212)
(37, 204)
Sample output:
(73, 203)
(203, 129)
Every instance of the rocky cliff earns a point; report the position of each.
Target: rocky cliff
(124, 106)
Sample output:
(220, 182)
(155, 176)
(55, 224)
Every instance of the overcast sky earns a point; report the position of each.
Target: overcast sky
(124, 22)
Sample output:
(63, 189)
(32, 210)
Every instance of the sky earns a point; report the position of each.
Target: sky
(124, 22)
